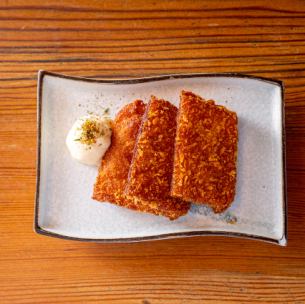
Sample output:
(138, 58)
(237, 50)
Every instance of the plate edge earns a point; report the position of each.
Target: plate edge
(38, 148)
(281, 242)
(134, 80)
(284, 238)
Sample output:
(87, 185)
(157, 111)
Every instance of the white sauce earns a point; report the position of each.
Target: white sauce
(89, 154)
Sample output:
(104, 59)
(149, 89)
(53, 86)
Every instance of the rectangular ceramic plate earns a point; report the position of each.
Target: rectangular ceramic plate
(64, 207)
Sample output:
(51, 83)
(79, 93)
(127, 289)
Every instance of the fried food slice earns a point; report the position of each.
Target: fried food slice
(113, 173)
(151, 169)
(205, 153)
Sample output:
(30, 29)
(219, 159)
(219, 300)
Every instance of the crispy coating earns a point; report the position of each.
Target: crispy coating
(205, 153)
(113, 173)
(151, 169)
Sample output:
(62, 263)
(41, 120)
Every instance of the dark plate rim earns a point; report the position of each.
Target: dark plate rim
(282, 241)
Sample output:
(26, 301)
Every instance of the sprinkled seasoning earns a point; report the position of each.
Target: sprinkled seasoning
(226, 217)
(90, 131)
(230, 218)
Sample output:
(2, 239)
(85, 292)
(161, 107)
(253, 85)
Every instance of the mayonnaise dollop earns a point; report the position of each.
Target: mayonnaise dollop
(89, 138)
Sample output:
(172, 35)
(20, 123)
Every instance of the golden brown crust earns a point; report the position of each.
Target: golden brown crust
(151, 169)
(114, 168)
(113, 173)
(205, 153)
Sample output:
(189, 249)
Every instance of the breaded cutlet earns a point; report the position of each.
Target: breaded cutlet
(151, 169)
(113, 172)
(205, 153)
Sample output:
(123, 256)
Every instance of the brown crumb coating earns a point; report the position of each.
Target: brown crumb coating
(113, 172)
(205, 153)
(151, 169)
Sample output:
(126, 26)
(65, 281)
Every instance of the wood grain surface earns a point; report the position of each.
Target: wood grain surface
(136, 38)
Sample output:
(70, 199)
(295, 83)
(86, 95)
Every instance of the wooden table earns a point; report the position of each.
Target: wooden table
(137, 38)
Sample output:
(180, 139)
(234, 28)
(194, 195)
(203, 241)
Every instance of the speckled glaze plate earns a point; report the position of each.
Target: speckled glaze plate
(64, 207)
